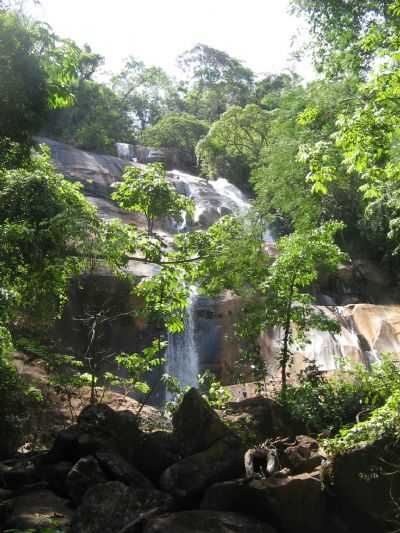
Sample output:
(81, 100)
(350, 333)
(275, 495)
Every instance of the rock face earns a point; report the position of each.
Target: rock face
(109, 507)
(206, 522)
(366, 484)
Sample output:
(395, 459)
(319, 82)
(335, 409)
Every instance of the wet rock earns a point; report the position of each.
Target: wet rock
(191, 476)
(196, 425)
(258, 419)
(117, 469)
(366, 484)
(293, 504)
(206, 522)
(35, 510)
(109, 507)
(84, 474)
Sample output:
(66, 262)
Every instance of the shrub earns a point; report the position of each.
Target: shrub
(330, 403)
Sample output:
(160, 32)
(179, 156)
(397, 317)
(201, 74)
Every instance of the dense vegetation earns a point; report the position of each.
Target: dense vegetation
(320, 160)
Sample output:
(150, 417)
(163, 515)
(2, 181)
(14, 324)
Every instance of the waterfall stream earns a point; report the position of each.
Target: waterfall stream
(366, 330)
(181, 355)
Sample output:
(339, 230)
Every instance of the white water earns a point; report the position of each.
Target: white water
(125, 151)
(181, 356)
(213, 199)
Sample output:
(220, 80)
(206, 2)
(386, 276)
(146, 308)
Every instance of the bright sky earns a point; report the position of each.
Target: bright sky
(259, 32)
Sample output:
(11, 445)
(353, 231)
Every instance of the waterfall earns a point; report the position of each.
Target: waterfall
(181, 355)
(125, 151)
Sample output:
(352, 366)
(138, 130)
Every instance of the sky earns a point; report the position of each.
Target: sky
(259, 32)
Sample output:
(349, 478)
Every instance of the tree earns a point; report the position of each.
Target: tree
(306, 117)
(273, 292)
(175, 130)
(216, 81)
(234, 143)
(301, 257)
(24, 88)
(38, 74)
(45, 222)
(360, 39)
(148, 92)
(149, 192)
(96, 121)
(348, 34)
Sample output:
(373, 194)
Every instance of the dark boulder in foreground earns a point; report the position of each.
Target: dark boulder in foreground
(258, 419)
(196, 425)
(206, 522)
(191, 476)
(365, 482)
(109, 507)
(294, 504)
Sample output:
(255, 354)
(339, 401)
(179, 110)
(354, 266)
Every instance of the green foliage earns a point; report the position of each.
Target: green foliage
(24, 89)
(360, 40)
(301, 257)
(213, 391)
(235, 139)
(97, 119)
(383, 423)
(149, 192)
(148, 92)
(44, 223)
(215, 394)
(232, 255)
(138, 365)
(175, 130)
(17, 398)
(333, 403)
(218, 81)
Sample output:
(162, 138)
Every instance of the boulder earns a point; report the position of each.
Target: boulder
(303, 456)
(196, 425)
(258, 419)
(155, 452)
(56, 476)
(365, 484)
(35, 510)
(109, 507)
(206, 522)
(293, 504)
(190, 477)
(84, 474)
(117, 469)
(99, 428)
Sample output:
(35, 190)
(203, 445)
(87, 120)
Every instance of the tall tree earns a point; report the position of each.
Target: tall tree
(148, 92)
(216, 81)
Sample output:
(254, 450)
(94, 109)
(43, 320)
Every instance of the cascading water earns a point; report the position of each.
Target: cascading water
(125, 151)
(181, 356)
